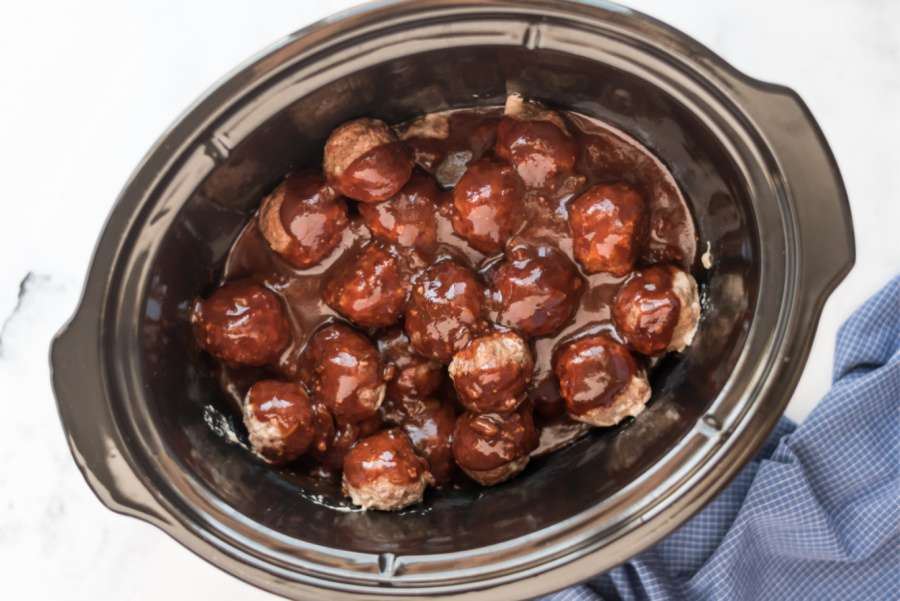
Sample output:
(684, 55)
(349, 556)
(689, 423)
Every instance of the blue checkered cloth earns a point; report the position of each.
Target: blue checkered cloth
(816, 514)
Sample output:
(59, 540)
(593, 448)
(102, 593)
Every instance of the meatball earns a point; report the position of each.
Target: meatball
(536, 290)
(346, 373)
(487, 205)
(492, 373)
(426, 137)
(341, 440)
(365, 161)
(333, 443)
(536, 142)
(600, 381)
(445, 311)
(493, 447)
(241, 323)
(413, 377)
(324, 431)
(408, 219)
(279, 420)
(657, 310)
(607, 223)
(384, 472)
(369, 289)
(303, 220)
(545, 398)
(429, 425)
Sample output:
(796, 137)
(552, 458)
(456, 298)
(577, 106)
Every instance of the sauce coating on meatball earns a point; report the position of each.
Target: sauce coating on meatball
(539, 150)
(369, 288)
(280, 420)
(536, 289)
(487, 205)
(303, 220)
(607, 223)
(346, 373)
(365, 161)
(341, 440)
(412, 377)
(241, 323)
(407, 219)
(429, 424)
(592, 371)
(486, 443)
(445, 311)
(383, 471)
(491, 374)
(646, 310)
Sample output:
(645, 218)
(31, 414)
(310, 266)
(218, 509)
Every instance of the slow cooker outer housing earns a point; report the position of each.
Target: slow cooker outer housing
(135, 395)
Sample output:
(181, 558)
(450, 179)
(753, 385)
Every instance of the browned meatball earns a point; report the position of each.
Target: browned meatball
(368, 288)
(607, 223)
(493, 447)
(657, 310)
(407, 219)
(600, 381)
(413, 377)
(491, 374)
(279, 420)
(303, 220)
(241, 323)
(535, 141)
(429, 424)
(536, 289)
(324, 431)
(487, 205)
(346, 373)
(384, 472)
(365, 161)
(445, 311)
(545, 398)
(336, 446)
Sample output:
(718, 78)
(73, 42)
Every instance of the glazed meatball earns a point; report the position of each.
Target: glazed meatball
(279, 420)
(384, 472)
(369, 288)
(333, 443)
(324, 431)
(303, 220)
(408, 219)
(600, 381)
(241, 323)
(545, 398)
(536, 142)
(607, 223)
(445, 311)
(413, 377)
(429, 424)
(657, 310)
(346, 373)
(342, 439)
(491, 374)
(536, 289)
(493, 447)
(365, 161)
(487, 205)
(426, 137)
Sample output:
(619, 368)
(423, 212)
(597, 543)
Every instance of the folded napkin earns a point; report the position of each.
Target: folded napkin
(816, 514)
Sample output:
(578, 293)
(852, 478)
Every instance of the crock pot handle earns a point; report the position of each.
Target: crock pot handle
(811, 176)
(89, 426)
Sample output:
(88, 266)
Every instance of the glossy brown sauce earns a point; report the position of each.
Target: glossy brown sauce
(605, 155)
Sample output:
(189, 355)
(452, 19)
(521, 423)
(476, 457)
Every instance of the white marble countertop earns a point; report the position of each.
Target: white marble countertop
(89, 86)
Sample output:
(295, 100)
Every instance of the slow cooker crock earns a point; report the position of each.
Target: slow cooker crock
(137, 399)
